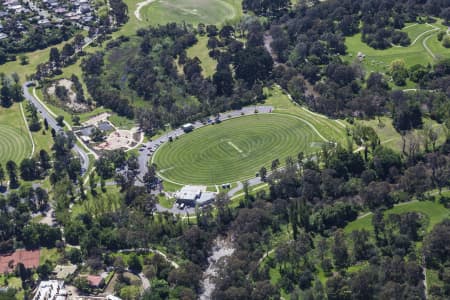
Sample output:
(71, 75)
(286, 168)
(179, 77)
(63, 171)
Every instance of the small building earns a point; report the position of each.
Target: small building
(206, 198)
(95, 281)
(86, 131)
(105, 126)
(188, 127)
(192, 195)
(85, 139)
(62, 272)
(51, 290)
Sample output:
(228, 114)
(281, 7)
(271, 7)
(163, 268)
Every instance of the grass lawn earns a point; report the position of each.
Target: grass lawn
(190, 11)
(166, 202)
(121, 122)
(333, 130)
(252, 191)
(49, 254)
(416, 53)
(235, 149)
(34, 58)
(171, 187)
(391, 138)
(15, 142)
(435, 212)
(101, 203)
(201, 51)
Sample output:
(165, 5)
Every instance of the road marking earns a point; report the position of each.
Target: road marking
(234, 146)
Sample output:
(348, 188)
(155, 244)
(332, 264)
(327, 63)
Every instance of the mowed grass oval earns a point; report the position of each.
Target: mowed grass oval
(190, 11)
(235, 149)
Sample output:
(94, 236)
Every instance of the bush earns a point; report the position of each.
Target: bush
(446, 42)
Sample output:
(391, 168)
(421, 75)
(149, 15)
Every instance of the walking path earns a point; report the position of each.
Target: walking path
(423, 33)
(424, 44)
(173, 263)
(33, 147)
(139, 6)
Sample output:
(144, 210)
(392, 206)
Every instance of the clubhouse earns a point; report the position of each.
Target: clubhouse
(192, 195)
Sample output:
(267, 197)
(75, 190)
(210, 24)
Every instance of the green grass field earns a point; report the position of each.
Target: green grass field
(101, 203)
(201, 51)
(15, 143)
(416, 53)
(333, 130)
(434, 211)
(391, 138)
(190, 11)
(235, 149)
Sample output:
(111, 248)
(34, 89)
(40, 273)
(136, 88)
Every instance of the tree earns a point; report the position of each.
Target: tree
(6, 96)
(62, 93)
(45, 270)
(23, 60)
(223, 80)
(54, 57)
(339, 249)
(337, 288)
(377, 194)
(436, 245)
(252, 64)
(134, 263)
(76, 120)
(119, 11)
(93, 184)
(446, 41)
(2, 175)
(60, 121)
(361, 248)
(399, 72)
(28, 169)
(97, 135)
(11, 168)
(75, 256)
(416, 180)
(129, 292)
(263, 173)
(44, 160)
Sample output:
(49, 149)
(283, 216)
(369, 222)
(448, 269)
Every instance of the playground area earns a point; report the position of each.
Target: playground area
(115, 138)
(121, 139)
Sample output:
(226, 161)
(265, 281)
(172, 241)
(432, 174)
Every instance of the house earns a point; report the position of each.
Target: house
(95, 281)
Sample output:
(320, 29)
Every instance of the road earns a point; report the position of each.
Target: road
(46, 114)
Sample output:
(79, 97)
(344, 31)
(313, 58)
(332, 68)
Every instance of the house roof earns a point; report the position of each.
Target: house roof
(94, 280)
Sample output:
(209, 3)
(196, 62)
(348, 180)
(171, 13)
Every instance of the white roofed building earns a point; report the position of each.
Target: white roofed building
(51, 290)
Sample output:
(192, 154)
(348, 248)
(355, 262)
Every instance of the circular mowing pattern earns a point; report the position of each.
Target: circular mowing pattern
(235, 149)
(14, 144)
